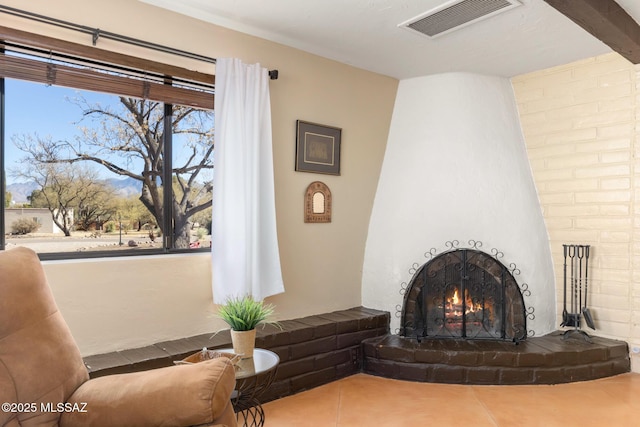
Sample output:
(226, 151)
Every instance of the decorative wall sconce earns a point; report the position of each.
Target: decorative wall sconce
(317, 203)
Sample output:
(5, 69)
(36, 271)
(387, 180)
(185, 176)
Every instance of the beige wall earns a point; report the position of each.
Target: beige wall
(121, 303)
(581, 123)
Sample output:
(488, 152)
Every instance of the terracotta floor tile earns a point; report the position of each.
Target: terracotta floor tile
(316, 407)
(624, 388)
(376, 401)
(363, 400)
(577, 404)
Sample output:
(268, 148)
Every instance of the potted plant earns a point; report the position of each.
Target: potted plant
(243, 314)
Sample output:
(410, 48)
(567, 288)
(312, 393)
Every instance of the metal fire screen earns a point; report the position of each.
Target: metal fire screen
(464, 293)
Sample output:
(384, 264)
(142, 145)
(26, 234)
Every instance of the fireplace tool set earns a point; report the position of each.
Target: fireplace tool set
(576, 287)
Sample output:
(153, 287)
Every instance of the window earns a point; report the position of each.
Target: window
(102, 171)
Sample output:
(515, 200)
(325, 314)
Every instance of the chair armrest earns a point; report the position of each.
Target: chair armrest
(184, 395)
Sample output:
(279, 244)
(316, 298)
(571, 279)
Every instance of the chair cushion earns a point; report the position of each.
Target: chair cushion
(185, 395)
(39, 361)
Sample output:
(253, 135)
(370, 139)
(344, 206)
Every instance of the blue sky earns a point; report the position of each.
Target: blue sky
(40, 109)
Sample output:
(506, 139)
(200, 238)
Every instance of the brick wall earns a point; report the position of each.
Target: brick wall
(581, 122)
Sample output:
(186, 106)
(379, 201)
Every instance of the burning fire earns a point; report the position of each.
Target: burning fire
(455, 303)
(454, 306)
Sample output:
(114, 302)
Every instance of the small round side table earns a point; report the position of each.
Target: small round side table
(253, 376)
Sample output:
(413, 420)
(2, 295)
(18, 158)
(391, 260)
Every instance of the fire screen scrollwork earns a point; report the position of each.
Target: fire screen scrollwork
(464, 293)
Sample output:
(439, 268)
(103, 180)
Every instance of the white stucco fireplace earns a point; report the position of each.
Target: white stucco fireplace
(456, 168)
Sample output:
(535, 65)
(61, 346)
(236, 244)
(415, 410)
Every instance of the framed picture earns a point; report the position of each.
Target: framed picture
(317, 148)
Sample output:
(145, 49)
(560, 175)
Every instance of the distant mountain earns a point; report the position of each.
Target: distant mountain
(123, 187)
(20, 190)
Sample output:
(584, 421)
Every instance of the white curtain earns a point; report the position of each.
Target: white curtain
(246, 259)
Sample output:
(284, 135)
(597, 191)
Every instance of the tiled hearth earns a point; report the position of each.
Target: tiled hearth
(536, 360)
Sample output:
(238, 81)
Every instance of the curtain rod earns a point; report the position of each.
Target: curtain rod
(96, 33)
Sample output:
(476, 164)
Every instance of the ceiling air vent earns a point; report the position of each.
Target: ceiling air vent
(456, 14)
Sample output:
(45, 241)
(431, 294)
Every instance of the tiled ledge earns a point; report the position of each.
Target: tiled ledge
(313, 350)
(319, 349)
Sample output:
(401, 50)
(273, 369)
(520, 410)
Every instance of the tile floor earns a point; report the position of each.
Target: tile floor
(364, 400)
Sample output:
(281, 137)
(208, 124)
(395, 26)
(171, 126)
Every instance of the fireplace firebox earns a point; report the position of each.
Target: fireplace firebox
(464, 294)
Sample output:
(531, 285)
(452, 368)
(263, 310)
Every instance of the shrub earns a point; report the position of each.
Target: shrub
(24, 226)
(201, 233)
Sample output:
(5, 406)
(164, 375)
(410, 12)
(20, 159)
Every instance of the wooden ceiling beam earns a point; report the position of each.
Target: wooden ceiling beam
(605, 20)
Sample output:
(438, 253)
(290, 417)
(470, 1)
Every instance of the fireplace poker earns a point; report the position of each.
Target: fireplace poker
(574, 316)
(580, 255)
(565, 314)
(585, 310)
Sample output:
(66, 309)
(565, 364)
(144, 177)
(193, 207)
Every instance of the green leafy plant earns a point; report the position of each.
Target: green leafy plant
(244, 313)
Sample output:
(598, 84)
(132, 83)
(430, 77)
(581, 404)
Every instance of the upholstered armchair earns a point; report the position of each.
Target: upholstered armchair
(43, 380)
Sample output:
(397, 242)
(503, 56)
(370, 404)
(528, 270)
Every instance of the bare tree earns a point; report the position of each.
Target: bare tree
(64, 190)
(128, 141)
(95, 208)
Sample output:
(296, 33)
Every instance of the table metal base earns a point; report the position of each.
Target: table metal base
(254, 376)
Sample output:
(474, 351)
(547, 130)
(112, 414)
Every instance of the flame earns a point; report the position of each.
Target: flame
(454, 303)
(453, 308)
(471, 307)
(455, 299)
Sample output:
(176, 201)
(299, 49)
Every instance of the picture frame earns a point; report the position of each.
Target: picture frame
(317, 148)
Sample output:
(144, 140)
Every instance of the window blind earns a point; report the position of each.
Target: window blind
(50, 61)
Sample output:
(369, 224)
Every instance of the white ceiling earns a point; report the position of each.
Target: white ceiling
(365, 34)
